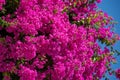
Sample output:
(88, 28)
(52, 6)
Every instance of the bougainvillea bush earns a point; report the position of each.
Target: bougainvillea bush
(55, 40)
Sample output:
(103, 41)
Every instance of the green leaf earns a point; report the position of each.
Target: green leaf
(96, 26)
(2, 39)
(4, 23)
(118, 53)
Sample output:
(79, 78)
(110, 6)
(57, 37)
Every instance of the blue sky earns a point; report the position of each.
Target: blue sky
(112, 7)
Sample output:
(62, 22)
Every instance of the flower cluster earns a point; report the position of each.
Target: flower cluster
(118, 73)
(55, 40)
(2, 2)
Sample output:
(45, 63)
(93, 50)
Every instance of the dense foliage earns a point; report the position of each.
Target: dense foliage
(55, 40)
